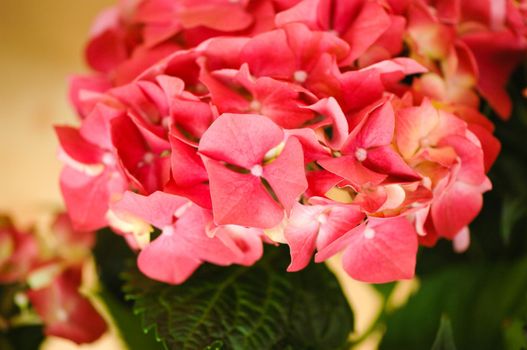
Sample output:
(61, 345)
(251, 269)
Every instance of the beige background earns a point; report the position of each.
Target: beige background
(41, 43)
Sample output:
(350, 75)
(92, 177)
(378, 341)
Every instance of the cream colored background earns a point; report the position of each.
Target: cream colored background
(41, 43)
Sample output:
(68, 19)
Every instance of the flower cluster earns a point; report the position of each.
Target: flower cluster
(45, 271)
(330, 126)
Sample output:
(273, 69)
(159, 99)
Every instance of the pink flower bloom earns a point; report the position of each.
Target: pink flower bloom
(295, 53)
(51, 265)
(367, 156)
(247, 156)
(317, 226)
(383, 250)
(497, 55)
(443, 150)
(189, 237)
(91, 175)
(65, 312)
(240, 92)
(214, 120)
(360, 23)
(19, 252)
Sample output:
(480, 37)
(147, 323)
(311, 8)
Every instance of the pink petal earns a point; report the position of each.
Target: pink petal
(65, 312)
(187, 166)
(311, 146)
(306, 12)
(385, 251)
(339, 244)
(96, 127)
(168, 259)
(301, 234)
(77, 147)
(106, 49)
(240, 139)
(281, 102)
(320, 182)
(158, 209)
(240, 199)
(461, 241)
(86, 198)
(226, 99)
(472, 168)
(497, 54)
(286, 174)
(245, 243)
(455, 208)
(340, 220)
(22, 254)
(367, 27)
(192, 229)
(79, 84)
(360, 88)
(279, 62)
(377, 129)
(385, 160)
(331, 109)
(412, 125)
(227, 17)
(141, 60)
(489, 143)
(352, 170)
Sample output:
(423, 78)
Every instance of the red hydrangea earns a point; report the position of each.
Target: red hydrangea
(330, 126)
(48, 269)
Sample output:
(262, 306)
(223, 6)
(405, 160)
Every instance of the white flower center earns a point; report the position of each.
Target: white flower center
(369, 233)
(61, 315)
(427, 182)
(425, 142)
(300, 76)
(148, 157)
(108, 159)
(257, 170)
(200, 88)
(255, 105)
(165, 122)
(322, 218)
(361, 154)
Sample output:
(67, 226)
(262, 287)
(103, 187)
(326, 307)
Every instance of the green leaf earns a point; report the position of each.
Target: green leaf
(111, 255)
(444, 338)
(22, 338)
(478, 298)
(128, 326)
(258, 307)
(385, 289)
(513, 211)
(515, 335)
(318, 310)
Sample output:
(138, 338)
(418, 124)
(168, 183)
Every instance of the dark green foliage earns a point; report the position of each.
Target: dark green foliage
(258, 307)
(445, 338)
(22, 338)
(112, 256)
(478, 299)
(19, 337)
(127, 324)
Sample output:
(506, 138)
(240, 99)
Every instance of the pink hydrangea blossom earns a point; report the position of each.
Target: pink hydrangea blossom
(331, 126)
(47, 269)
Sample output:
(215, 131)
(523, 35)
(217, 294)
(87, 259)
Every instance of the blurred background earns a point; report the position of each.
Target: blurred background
(41, 44)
